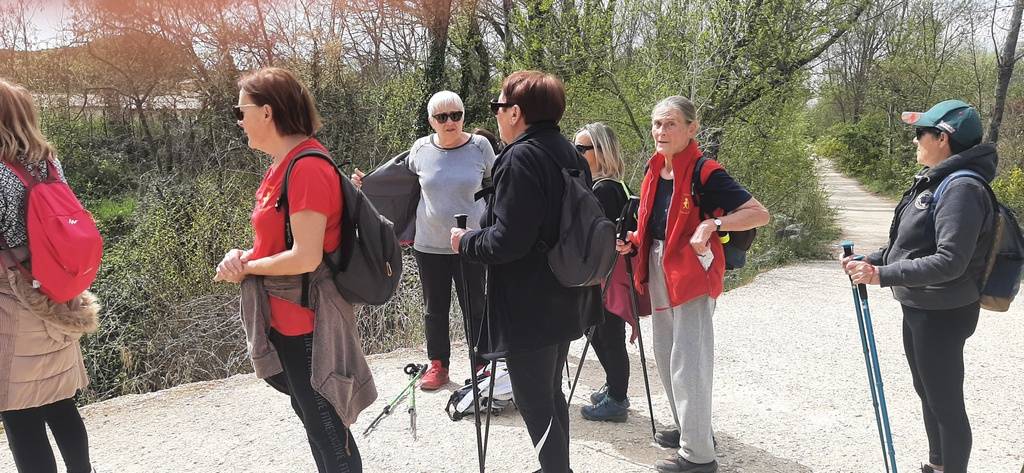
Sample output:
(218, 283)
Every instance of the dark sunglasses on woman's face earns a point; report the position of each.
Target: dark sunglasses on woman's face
(584, 148)
(496, 105)
(920, 131)
(444, 117)
(239, 115)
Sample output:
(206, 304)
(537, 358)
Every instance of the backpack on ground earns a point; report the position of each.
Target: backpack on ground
(367, 266)
(460, 404)
(585, 251)
(735, 244)
(64, 244)
(1005, 261)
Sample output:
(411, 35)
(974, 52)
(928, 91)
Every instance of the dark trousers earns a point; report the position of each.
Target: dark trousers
(934, 342)
(536, 377)
(334, 449)
(26, 435)
(436, 275)
(609, 341)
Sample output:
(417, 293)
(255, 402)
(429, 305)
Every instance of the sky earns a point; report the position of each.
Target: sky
(46, 18)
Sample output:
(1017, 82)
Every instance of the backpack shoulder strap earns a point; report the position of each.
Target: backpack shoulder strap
(948, 180)
(701, 171)
(282, 205)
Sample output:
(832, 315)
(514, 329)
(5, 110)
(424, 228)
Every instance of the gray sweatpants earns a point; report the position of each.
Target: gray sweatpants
(684, 348)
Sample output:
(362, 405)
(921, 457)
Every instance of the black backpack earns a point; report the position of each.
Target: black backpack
(367, 266)
(735, 244)
(585, 251)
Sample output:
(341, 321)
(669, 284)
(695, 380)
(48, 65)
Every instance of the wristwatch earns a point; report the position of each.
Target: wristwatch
(718, 224)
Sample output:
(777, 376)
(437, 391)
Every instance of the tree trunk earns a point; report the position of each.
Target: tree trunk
(1007, 59)
(439, 15)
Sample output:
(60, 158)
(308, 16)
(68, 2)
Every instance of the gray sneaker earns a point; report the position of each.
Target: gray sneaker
(608, 410)
(678, 464)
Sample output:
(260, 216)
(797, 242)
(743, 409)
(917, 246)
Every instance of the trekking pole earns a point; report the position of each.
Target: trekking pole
(579, 367)
(634, 204)
(874, 370)
(590, 335)
(848, 251)
(413, 370)
(490, 399)
(388, 409)
(460, 222)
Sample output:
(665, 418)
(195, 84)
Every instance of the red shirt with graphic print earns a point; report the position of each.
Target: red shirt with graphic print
(313, 186)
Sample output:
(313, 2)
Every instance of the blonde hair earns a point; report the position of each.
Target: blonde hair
(607, 151)
(20, 136)
(678, 102)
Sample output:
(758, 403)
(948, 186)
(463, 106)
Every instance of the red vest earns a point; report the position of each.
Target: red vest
(685, 278)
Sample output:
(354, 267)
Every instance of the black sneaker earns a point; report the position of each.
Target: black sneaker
(678, 464)
(667, 438)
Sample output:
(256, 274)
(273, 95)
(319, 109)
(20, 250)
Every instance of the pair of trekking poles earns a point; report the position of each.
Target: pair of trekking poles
(867, 341)
(622, 228)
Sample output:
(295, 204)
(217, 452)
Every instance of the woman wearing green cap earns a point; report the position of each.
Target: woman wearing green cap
(934, 263)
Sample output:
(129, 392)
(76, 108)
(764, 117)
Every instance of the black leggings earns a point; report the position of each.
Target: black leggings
(26, 435)
(934, 342)
(436, 275)
(536, 377)
(609, 341)
(334, 449)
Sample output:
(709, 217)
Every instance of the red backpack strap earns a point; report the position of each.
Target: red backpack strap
(23, 175)
(702, 171)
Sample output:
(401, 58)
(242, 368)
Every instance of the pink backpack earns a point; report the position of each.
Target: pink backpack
(63, 241)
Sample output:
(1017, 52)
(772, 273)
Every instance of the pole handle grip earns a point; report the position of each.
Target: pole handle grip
(847, 248)
(461, 220)
(627, 213)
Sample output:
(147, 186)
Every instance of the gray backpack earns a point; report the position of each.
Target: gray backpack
(585, 251)
(367, 266)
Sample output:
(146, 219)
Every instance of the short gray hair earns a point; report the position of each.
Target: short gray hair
(677, 102)
(442, 98)
(606, 150)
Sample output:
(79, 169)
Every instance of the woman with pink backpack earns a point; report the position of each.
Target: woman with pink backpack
(41, 367)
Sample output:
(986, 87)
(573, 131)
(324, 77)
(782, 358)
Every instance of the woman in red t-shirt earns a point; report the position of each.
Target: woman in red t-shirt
(279, 117)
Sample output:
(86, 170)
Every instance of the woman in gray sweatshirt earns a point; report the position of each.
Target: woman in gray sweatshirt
(935, 262)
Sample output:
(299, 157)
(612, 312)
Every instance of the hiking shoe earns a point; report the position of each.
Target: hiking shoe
(667, 438)
(927, 468)
(608, 410)
(435, 377)
(597, 396)
(678, 464)
(670, 439)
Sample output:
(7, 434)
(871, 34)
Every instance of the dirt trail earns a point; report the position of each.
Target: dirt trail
(791, 395)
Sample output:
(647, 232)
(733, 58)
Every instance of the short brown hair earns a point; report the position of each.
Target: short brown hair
(540, 96)
(293, 105)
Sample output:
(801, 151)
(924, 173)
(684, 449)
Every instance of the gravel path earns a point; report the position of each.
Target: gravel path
(790, 390)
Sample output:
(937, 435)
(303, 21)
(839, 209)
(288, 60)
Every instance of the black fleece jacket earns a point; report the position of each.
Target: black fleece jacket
(936, 257)
(527, 307)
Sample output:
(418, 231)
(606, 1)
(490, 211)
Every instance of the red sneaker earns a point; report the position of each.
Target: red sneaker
(435, 377)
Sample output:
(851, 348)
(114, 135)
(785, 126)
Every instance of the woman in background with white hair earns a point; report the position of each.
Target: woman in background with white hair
(451, 165)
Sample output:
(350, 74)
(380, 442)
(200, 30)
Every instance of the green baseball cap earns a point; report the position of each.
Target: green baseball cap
(955, 117)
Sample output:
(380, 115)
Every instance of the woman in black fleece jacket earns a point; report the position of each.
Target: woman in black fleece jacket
(531, 318)
(935, 262)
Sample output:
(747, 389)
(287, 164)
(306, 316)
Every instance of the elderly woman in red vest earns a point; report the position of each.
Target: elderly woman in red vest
(681, 259)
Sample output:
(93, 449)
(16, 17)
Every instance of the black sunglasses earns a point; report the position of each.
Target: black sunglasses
(444, 117)
(584, 148)
(238, 110)
(496, 105)
(920, 131)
